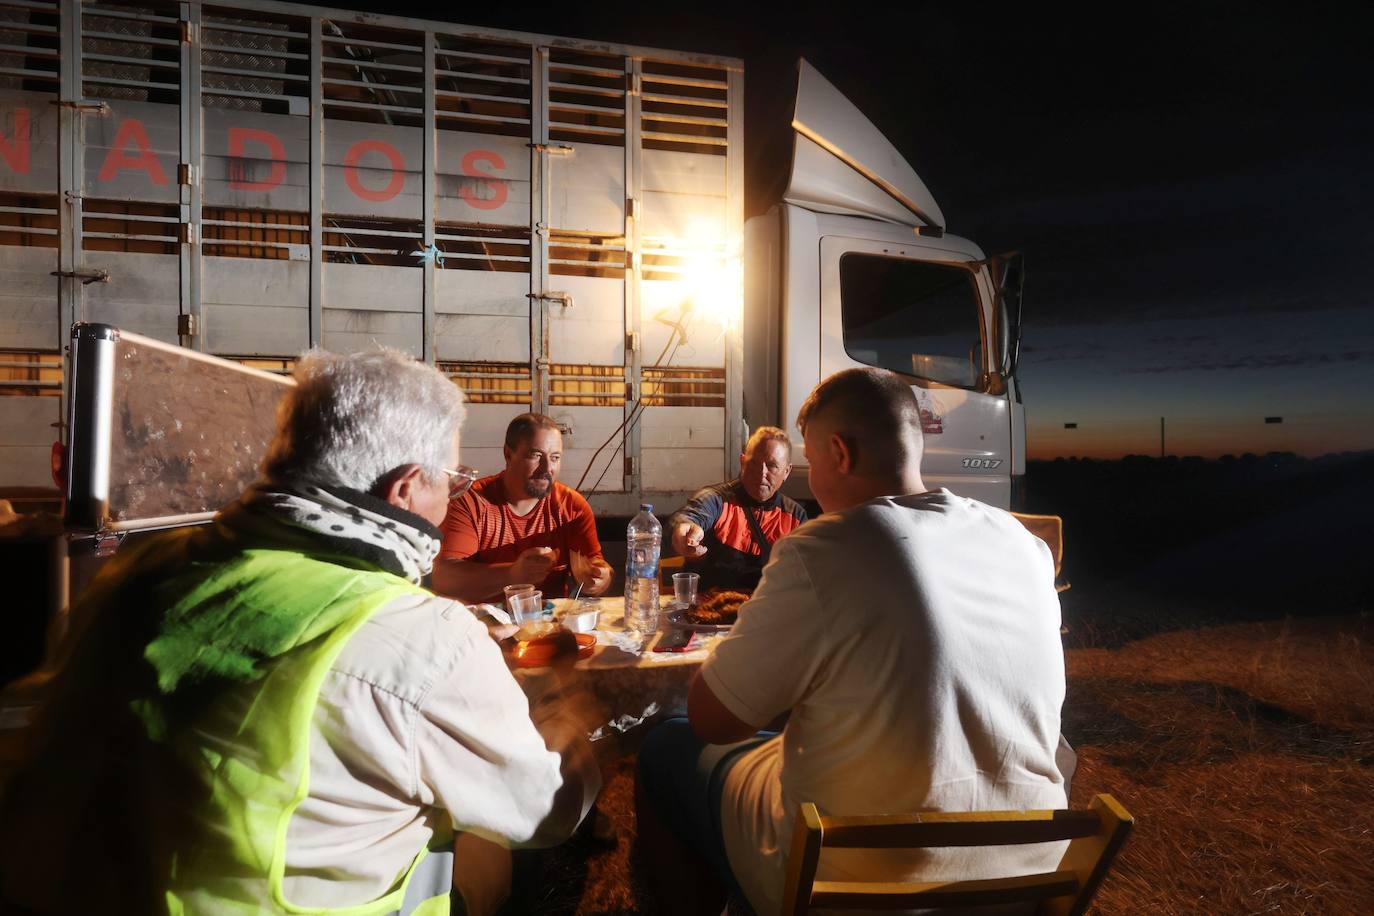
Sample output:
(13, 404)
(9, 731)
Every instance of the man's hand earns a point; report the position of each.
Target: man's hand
(687, 540)
(533, 565)
(595, 574)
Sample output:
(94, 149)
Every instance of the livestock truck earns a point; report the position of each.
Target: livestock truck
(558, 224)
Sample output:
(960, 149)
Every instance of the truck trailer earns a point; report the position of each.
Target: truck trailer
(557, 223)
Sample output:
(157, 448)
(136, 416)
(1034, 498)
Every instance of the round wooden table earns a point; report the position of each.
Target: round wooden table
(624, 686)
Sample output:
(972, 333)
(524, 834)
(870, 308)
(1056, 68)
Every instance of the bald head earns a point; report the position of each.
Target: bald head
(862, 429)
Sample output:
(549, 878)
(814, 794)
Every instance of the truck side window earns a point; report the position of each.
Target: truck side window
(913, 317)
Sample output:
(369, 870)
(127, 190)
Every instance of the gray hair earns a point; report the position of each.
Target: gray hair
(767, 434)
(353, 418)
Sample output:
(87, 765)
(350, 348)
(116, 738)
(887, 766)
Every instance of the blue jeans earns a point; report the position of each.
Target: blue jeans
(683, 779)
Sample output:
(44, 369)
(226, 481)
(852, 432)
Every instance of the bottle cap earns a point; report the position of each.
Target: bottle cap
(646, 507)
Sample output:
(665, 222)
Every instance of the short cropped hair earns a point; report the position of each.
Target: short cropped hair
(352, 419)
(524, 426)
(767, 434)
(874, 407)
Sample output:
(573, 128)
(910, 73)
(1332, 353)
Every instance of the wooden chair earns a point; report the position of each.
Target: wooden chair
(1050, 529)
(1095, 837)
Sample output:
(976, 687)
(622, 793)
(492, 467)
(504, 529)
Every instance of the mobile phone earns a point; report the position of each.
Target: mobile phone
(674, 640)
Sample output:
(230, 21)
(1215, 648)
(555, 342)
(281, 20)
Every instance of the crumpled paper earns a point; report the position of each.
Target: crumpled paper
(623, 723)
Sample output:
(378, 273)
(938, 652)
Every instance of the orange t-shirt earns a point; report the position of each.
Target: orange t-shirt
(480, 526)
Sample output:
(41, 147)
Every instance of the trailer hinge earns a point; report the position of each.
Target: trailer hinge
(633, 84)
(629, 466)
(631, 208)
(188, 32)
(632, 340)
(187, 326)
(559, 296)
(542, 364)
(85, 275)
(552, 149)
(188, 174)
(83, 106)
(107, 542)
(187, 234)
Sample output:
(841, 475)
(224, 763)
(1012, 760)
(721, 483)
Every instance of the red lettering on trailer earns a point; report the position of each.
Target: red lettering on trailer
(238, 136)
(17, 153)
(116, 160)
(498, 188)
(355, 154)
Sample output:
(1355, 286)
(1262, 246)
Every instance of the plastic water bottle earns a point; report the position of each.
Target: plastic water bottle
(643, 538)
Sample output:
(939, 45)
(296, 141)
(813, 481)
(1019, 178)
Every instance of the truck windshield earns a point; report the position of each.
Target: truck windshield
(913, 317)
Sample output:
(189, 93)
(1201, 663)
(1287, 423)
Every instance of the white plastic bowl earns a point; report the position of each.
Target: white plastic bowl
(584, 617)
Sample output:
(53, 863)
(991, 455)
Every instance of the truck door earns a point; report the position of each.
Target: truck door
(920, 312)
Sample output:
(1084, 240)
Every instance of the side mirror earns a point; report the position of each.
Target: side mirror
(1008, 280)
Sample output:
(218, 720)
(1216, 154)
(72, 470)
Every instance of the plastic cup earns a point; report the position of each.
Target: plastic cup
(685, 588)
(526, 606)
(511, 591)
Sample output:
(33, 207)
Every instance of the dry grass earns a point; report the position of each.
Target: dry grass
(1245, 752)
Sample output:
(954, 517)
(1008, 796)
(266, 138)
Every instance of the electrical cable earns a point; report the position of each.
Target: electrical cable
(635, 417)
(678, 331)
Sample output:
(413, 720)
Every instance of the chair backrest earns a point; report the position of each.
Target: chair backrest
(1095, 836)
(1050, 529)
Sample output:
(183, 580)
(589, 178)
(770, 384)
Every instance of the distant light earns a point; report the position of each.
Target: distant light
(1071, 426)
(1273, 419)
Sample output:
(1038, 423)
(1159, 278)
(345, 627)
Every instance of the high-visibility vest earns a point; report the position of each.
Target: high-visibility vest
(246, 749)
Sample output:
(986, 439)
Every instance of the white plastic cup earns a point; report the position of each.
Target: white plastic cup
(685, 588)
(511, 591)
(526, 606)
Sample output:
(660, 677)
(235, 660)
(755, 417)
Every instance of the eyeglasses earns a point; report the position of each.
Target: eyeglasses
(461, 480)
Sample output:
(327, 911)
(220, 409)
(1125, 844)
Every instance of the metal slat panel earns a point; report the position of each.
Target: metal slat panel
(142, 295)
(28, 315)
(684, 100)
(472, 338)
(256, 306)
(352, 330)
(593, 330)
(129, 122)
(226, 180)
(364, 288)
(502, 99)
(684, 138)
(587, 190)
(255, 52)
(485, 119)
(222, 25)
(483, 77)
(591, 426)
(665, 79)
(522, 61)
(485, 292)
(26, 51)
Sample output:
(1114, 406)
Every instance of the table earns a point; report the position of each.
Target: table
(616, 694)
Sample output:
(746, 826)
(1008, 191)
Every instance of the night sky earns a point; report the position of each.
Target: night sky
(1191, 185)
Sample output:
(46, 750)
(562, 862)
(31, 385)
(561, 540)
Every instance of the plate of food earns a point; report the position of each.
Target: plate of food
(715, 613)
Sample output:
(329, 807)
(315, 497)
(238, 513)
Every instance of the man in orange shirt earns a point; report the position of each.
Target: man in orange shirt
(521, 525)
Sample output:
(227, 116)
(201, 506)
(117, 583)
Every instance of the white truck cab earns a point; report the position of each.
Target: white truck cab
(865, 275)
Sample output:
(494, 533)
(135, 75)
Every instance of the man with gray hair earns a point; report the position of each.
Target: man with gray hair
(270, 712)
(913, 638)
(727, 531)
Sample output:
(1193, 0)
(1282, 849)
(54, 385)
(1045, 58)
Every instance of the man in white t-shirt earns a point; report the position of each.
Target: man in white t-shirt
(913, 638)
